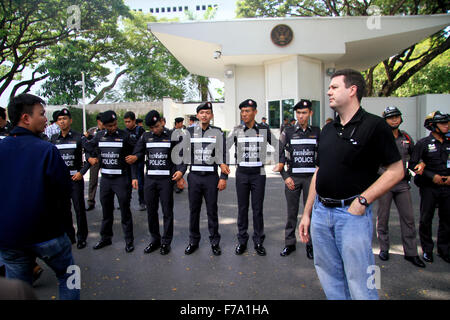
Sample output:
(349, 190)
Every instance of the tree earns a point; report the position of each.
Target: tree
(28, 28)
(397, 70)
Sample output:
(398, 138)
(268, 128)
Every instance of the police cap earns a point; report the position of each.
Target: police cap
(193, 118)
(248, 103)
(152, 118)
(205, 106)
(64, 112)
(55, 115)
(108, 117)
(179, 119)
(391, 112)
(302, 104)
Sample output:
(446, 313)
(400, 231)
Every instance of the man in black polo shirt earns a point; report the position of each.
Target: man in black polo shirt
(344, 186)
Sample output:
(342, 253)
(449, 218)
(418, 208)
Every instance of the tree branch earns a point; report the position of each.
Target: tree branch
(102, 92)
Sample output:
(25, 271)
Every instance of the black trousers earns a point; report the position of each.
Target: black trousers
(203, 186)
(121, 187)
(255, 185)
(293, 204)
(430, 197)
(159, 190)
(80, 209)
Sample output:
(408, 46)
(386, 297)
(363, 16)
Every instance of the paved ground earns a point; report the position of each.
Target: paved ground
(111, 273)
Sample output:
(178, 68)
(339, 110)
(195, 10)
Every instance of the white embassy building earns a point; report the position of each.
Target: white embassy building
(278, 61)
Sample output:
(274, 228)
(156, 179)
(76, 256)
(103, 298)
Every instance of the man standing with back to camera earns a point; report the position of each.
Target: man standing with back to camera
(343, 188)
(34, 218)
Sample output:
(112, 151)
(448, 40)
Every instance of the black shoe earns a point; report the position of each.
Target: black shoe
(142, 207)
(384, 255)
(178, 190)
(191, 248)
(216, 250)
(260, 250)
(129, 247)
(240, 249)
(415, 260)
(81, 244)
(152, 247)
(309, 251)
(165, 249)
(428, 256)
(287, 250)
(445, 257)
(102, 244)
(91, 207)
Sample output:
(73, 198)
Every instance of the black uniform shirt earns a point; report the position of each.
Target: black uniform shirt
(349, 156)
(301, 146)
(250, 147)
(157, 151)
(112, 148)
(71, 149)
(435, 155)
(206, 150)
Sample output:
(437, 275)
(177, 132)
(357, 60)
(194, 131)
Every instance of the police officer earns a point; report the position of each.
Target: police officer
(5, 126)
(434, 185)
(95, 166)
(250, 140)
(160, 176)
(300, 142)
(401, 195)
(203, 150)
(70, 145)
(136, 132)
(113, 147)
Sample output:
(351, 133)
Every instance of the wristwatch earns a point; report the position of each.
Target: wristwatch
(363, 201)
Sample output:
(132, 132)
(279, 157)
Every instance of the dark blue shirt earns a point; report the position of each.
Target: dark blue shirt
(35, 190)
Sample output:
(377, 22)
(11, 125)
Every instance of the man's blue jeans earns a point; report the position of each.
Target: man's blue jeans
(343, 252)
(56, 253)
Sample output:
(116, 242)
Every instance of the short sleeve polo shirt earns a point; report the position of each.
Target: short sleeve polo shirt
(349, 156)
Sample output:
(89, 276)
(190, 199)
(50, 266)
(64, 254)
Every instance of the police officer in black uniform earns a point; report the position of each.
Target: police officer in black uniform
(250, 140)
(70, 144)
(203, 150)
(113, 147)
(136, 132)
(434, 185)
(160, 176)
(5, 126)
(300, 142)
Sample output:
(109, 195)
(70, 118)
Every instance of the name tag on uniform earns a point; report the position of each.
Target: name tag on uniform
(112, 171)
(304, 141)
(203, 140)
(432, 147)
(158, 145)
(202, 168)
(303, 170)
(110, 144)
(72, 172)
(158, 172)
(66, 146)
(250, 139)
(251, 164)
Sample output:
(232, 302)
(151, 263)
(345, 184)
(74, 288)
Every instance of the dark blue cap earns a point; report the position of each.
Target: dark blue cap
(152, 118)
(248, 103)
(108, 117)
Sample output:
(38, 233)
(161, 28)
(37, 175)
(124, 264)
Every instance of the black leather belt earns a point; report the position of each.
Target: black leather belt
(333, 203)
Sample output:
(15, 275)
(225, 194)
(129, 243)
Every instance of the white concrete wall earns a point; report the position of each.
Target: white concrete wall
(250, 85)
(310, 79)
